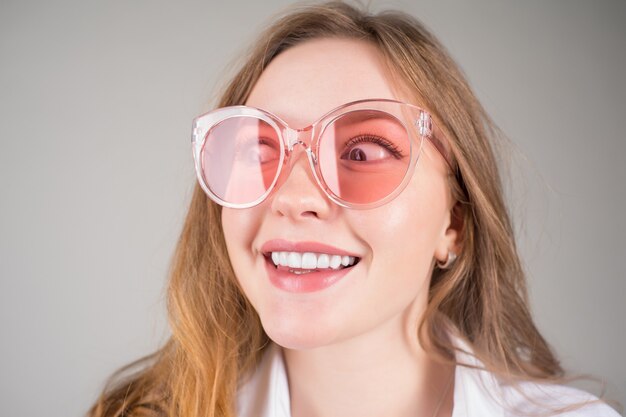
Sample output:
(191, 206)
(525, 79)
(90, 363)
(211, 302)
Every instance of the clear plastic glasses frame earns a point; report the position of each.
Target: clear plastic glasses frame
(416, 121)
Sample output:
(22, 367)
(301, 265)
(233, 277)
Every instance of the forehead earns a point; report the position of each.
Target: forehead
(307, 80)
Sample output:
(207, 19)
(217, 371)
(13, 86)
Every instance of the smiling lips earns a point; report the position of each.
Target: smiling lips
(305, 266)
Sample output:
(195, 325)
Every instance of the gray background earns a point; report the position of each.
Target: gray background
(96, 102)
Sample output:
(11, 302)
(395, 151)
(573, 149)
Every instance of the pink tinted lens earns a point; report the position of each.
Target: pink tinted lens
(364, 155)
(240, 159)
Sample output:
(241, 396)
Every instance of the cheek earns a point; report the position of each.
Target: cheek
(404, 234)
(405, 243)
(240, 227)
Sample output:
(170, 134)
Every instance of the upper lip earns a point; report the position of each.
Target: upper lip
(282, 245)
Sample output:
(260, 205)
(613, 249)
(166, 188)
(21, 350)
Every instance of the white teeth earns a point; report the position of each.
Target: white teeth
(283, 259)
(310, 260)
(323, 261)
(335, 261)
(294, 260)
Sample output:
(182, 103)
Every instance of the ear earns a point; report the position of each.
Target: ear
(451, 233)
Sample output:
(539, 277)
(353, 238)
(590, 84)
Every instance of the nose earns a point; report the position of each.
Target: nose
(299, 196)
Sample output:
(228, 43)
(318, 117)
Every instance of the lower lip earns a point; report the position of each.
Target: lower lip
(302, 283)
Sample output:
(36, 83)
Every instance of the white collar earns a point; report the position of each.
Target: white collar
(477, 393)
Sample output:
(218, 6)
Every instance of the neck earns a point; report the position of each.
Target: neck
(383, 372)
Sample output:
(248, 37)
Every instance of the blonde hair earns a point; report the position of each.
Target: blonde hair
(217, 336)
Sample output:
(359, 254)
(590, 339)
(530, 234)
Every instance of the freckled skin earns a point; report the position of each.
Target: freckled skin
(387, 291)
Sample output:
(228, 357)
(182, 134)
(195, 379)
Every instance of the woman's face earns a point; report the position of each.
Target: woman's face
(397, 243)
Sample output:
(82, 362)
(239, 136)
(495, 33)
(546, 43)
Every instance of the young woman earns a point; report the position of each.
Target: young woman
(347, 251)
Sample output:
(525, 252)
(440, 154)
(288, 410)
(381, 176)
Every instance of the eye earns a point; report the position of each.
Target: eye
(370, 148)
(260, 151)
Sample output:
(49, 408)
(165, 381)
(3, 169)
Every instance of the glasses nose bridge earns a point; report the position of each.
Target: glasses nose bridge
(297, 136)
(302, 137)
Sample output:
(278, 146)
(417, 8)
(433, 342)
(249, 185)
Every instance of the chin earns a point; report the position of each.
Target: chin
(301, 337)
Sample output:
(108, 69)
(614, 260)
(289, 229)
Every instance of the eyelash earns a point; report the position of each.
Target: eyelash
(395, 151)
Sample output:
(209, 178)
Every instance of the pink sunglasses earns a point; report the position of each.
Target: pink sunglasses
(362, 153)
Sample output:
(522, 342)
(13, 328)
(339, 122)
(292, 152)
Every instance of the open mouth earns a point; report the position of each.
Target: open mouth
(308, 262)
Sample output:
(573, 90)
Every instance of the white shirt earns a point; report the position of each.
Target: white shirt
(477, 393)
